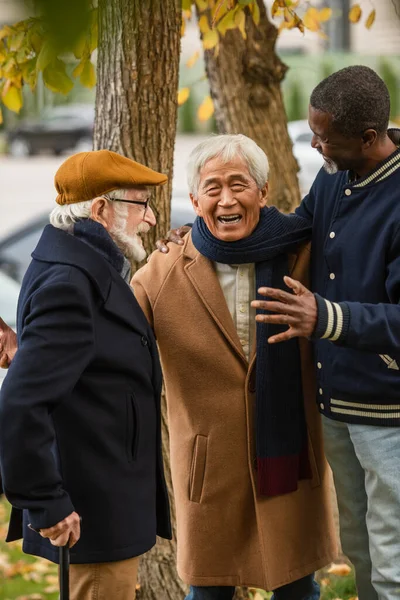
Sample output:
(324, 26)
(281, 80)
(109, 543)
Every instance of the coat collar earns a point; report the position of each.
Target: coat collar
(204, 279)
(57, 246)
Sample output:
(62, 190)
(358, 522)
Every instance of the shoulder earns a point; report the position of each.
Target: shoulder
(159, 266)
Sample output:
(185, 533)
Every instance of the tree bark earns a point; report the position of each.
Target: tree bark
(245, 79)
(136, 111)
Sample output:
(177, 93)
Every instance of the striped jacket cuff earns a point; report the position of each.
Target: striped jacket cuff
(333, 320)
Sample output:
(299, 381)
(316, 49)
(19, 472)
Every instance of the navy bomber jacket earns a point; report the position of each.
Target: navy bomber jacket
(356, 278)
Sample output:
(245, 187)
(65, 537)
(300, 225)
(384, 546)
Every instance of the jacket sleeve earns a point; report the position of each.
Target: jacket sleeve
(306, 207)
(55, 346)
(370, 327)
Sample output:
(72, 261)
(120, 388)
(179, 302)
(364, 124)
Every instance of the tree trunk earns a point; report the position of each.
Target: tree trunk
(136, 110)
(245, 79)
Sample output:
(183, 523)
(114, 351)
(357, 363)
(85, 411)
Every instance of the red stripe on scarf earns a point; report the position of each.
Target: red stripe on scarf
(281, 474)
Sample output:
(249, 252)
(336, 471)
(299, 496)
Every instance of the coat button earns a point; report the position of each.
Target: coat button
(332, 275)
(347, 192)
(321, 406)
(252, 383)
(145, 341)
(319, 365)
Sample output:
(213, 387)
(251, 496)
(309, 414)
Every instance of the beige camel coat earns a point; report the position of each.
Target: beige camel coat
(227, 533)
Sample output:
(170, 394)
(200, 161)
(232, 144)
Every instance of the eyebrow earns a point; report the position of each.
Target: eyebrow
(230, 178)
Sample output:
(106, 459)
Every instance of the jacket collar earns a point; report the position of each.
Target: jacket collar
(384, 168)
(58, 246)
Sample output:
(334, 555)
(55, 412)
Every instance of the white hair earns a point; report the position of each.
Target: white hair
(64, 216)
(227, 147)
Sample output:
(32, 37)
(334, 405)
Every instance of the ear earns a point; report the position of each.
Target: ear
(369, 138)
(264, 195)
(196, 205)
(102, 212)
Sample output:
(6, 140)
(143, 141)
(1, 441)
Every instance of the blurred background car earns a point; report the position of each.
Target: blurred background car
(57, 130)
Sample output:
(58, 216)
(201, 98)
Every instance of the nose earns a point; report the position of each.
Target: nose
(314, 142)
(150, 217)
(226, 198)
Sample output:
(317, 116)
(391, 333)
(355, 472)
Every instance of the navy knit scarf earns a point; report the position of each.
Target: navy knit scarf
(281, 434)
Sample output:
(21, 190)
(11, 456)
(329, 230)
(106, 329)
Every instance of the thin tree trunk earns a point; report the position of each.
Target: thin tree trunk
(245, 79)
(136, 110)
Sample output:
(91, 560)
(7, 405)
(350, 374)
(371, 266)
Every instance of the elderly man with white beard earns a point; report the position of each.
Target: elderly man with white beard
(80, 406)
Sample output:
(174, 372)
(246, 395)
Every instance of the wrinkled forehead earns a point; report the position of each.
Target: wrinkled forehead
(219, 168)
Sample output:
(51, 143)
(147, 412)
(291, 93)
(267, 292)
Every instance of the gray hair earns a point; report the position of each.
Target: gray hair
(64, 216)
(227, 147)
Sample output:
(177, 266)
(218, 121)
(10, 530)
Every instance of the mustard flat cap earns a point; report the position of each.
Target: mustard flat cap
(86, 175)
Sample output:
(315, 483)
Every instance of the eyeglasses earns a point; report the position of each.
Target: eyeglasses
(145, 204)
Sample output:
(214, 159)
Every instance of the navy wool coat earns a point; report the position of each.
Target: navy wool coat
(80, 425)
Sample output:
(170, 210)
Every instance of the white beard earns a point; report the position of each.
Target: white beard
(330, 167)
(129, 244)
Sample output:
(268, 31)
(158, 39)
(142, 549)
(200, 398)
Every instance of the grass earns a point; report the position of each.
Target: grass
(24, 577)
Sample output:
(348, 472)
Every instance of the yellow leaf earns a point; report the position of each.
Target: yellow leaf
(371, 19)
(311, 19)
(219, 10)
(255, 13)
(183, 95)
(1, 116)
(206, 109)
(240, 22)
(355, 13)
(6, 31)
(56, 79)
(257, 596)
(227, 22)
(341, 569)
(193, 59)
(45, 57)
(325, 14)
(12, 97)
(210, 39)
(187, 5)
(202, 5)
(88, 75)
(203, 24)
(29, 72)
(77, 72)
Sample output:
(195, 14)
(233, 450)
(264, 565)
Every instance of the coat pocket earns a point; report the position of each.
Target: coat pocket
(198, 468)
(132, 427)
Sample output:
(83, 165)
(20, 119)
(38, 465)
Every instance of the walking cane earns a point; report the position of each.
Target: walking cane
(64, 572)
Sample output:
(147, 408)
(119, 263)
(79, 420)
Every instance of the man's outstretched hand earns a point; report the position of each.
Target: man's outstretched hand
(8, 344)
(175, 236)
(298, 310)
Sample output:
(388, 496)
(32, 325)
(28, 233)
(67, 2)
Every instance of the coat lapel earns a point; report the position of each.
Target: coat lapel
(202, 275)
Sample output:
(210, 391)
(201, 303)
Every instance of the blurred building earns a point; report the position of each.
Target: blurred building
(11, 11)
(345, 36)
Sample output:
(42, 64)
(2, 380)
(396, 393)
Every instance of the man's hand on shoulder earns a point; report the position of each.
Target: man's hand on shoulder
(8, 344)
(175, 236)
(67, 530)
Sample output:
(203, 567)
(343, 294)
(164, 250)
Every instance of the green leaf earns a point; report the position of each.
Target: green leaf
(46, 56)
(88, 75)
(12, 97)
(29, 72)
(56, 78)
(16, 41)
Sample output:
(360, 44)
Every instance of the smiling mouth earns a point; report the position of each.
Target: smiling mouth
(229, 219)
